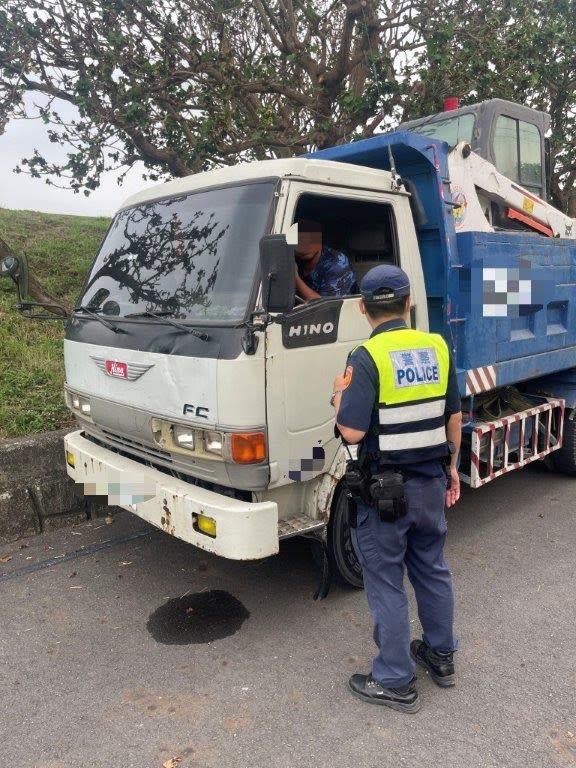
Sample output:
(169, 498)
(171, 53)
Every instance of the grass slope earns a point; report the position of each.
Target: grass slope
(60, 250)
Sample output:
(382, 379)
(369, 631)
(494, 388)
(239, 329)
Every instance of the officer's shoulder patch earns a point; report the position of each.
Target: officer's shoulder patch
(348, 376)
(415, 367)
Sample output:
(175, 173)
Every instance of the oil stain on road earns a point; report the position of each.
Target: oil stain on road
(197, 618)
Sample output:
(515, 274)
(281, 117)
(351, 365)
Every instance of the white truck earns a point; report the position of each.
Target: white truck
(201, 384)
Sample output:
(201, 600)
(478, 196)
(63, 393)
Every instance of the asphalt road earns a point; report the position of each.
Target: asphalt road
(87, 682)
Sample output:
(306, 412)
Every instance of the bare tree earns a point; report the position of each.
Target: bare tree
(185, 85)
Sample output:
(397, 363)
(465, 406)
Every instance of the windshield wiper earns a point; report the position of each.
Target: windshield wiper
(107, 323)
(165, 314)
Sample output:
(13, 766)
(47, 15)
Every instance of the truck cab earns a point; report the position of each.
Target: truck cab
(512, 137)
(201, 408)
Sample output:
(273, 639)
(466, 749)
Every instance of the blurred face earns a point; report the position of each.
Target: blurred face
(309, 241)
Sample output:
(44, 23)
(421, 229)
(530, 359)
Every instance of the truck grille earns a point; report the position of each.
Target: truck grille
(132, 447)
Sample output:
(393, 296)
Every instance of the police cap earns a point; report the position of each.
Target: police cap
(384, 283)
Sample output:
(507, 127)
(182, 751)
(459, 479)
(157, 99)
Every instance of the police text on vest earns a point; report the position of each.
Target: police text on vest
(415, 367)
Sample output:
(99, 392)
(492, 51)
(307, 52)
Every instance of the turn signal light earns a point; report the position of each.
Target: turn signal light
(248, 447)
(70, 459)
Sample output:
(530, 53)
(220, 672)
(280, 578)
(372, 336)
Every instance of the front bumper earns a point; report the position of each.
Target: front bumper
(244, 530)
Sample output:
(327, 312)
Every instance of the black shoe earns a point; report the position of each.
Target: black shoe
(403, 699)
(440, 666)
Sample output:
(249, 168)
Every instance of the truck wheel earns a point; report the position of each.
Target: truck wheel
(564, 459)
(340, 548)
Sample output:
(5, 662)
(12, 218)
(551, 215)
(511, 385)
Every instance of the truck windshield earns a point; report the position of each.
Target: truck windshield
(192, 256)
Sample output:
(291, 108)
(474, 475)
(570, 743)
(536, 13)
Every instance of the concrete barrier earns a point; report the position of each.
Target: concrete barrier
(36, 494)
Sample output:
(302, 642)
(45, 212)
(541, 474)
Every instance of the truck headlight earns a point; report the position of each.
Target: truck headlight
(238, 447)
(213, 442)
(78, 403)
(183, 436)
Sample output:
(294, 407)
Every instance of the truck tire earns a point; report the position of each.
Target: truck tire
(564, 459)
(343, 559)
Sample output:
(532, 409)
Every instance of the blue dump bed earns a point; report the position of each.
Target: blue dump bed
(504, 301)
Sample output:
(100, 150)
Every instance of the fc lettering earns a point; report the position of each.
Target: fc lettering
(196, 410)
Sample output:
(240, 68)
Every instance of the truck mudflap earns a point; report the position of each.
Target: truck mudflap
(226, 526)
(493, 448)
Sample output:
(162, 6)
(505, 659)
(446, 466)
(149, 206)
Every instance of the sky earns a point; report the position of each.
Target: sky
(21, 191)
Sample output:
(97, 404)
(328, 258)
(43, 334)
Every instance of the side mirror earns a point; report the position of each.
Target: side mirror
(278, 268)
(16, 268)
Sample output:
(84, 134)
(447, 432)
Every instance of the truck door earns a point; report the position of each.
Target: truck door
(306, 351)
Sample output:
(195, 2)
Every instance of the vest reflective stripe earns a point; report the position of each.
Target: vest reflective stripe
(403, 442)
(406, 414)
(413, 378)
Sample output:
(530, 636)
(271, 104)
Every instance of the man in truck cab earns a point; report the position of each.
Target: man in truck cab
(320, 270)
(399, 401)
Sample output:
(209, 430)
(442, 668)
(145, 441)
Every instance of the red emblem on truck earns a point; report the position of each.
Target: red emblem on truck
(114, 368)
(128, 371)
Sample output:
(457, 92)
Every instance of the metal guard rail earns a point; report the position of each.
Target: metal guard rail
(503, 445)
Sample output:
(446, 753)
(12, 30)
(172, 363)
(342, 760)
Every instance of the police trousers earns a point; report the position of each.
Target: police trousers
(383, 549)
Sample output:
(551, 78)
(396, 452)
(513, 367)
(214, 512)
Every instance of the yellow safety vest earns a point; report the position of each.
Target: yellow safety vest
(412, 370)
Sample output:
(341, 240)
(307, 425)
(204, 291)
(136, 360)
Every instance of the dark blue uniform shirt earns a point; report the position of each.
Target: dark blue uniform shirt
(358, 405)
(332, 275)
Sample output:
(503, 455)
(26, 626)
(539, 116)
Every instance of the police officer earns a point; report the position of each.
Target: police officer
(399, 400)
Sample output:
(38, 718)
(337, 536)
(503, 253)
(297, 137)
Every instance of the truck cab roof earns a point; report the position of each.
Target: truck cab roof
(320, 171)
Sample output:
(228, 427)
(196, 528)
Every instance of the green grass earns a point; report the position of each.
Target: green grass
(59, 250)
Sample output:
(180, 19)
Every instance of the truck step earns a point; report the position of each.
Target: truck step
(296, 526)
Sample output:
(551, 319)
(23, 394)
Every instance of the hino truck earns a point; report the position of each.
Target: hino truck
(200, 382)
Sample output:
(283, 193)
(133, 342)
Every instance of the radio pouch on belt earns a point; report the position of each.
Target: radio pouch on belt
(386, 491)
(355, 482)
